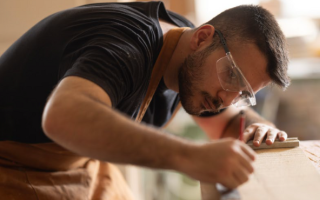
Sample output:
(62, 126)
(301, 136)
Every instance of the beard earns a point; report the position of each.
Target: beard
(191, 75)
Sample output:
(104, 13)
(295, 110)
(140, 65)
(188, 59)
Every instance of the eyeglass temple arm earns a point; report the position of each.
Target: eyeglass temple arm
(223, 41)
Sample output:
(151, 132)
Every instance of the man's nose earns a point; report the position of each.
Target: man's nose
(229, 97)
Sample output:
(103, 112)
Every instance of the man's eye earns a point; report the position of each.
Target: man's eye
(245, 94)
(232, 74)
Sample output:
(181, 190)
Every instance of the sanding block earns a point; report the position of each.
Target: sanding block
(289, 143)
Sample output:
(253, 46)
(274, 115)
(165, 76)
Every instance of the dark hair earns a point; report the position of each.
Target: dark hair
(254, 24)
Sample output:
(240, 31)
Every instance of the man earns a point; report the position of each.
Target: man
(87, 73)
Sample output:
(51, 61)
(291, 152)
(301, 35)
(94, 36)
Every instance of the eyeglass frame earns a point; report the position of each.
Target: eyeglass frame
(252, 97)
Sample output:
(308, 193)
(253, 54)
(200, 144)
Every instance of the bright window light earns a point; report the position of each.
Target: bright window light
(206, 9)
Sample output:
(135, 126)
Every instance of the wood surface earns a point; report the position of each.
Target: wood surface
(280, 174)
(312, 150)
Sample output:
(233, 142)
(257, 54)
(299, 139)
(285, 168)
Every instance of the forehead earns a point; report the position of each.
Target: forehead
(252, 63)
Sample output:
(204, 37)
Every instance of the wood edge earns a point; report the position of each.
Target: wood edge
(289, 143)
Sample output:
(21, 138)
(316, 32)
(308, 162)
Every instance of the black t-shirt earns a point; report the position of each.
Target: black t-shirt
(114, 45)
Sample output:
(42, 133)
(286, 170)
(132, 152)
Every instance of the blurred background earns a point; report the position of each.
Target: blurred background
(295, 110)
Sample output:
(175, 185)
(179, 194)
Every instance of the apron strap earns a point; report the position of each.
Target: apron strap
(160, 67)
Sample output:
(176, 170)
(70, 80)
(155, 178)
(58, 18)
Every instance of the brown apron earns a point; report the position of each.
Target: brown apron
(49, 172)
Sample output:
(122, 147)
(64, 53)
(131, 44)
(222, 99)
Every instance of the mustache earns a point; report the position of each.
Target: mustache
(217, 102)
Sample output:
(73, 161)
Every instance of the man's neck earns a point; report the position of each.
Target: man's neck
(182, 50)
(180, 53)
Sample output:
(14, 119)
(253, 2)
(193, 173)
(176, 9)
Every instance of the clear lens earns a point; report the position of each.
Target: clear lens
(243, 101)
(228, 76)
(232, 79)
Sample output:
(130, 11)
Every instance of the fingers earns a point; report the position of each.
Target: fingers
(246, 164)
(246, 157)
(282, 136)
(238, 177)
(228, 161)
(271, 136)
(241, 175)
(249, 152)
(231, 182)
(248, 134)
(243, 167)
(260, 131)
(259, 135)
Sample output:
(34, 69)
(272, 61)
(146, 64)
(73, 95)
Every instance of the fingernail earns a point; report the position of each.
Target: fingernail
(256, 143)
(269, 141)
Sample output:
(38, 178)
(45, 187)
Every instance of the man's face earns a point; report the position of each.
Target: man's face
(199, 86)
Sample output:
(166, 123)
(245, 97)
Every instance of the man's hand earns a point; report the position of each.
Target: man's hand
(259, 131)
(226, 161)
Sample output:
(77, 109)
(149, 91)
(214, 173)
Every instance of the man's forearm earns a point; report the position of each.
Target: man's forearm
(95, 130)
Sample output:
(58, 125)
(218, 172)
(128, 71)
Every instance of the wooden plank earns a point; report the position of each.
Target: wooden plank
(282, 174)
(289, 143)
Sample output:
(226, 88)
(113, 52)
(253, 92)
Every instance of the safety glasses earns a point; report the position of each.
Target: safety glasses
(232, 79)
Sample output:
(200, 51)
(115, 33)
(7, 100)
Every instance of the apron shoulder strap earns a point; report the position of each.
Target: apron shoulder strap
(160, 66)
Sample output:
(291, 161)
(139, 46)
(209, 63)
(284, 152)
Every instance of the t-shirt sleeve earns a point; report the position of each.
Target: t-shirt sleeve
(117, 66)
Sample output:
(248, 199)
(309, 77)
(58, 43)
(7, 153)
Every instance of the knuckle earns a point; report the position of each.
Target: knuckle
(272, 133)
(234, 143)
(250, 128)
(247, 132)
(233, 150)
(258, 135)
(230, 140)
(255, 124)
(261, 129)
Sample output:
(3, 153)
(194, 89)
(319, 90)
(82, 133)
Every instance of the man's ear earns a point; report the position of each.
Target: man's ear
(203, 35)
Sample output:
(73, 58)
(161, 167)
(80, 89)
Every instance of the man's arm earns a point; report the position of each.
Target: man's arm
(79, 117)
(227, 124)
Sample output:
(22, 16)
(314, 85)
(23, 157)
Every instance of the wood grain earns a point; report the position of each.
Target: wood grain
(312, 150)
(281, 174)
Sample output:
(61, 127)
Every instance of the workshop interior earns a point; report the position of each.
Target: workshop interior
(296, 110)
